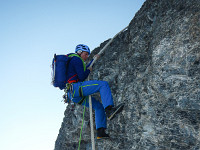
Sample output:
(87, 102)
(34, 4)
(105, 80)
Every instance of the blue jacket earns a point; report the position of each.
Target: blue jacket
(77, 70)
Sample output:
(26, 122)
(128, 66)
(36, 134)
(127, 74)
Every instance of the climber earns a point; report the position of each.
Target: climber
(76, 74)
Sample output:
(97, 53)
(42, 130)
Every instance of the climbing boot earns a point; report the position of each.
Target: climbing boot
(112, 111)
(101, 134)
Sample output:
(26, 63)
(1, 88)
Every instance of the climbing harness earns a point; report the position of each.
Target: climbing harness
(68, 95)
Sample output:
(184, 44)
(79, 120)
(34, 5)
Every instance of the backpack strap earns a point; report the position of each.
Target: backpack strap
(84, 66)
(72, 55)
(72, 81)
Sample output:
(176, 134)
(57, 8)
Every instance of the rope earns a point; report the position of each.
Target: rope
(103, 49)
(81, 127)
(91, 123)
(90, 101)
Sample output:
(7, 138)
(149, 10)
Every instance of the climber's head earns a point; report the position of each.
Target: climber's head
(83, 51)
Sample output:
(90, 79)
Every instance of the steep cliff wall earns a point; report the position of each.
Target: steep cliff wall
(154, 68)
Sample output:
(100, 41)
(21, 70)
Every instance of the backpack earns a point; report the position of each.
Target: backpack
(59, 70)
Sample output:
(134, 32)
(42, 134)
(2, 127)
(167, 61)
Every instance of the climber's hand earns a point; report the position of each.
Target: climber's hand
(89, 68)
(97, 56)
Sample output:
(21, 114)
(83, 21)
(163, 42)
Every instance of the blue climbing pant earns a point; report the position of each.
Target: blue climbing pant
(81, 92)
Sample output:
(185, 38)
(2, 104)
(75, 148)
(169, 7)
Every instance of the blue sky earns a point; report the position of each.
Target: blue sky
(31, 31)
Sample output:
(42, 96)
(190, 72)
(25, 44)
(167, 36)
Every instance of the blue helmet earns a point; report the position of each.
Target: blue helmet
(81, 48)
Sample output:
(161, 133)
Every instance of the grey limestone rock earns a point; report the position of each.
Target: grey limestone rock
(153, 67)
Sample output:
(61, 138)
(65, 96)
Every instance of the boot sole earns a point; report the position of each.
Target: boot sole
(118, 110)
(101, 138)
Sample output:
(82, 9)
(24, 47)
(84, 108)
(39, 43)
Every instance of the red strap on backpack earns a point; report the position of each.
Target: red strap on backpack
(72, 81)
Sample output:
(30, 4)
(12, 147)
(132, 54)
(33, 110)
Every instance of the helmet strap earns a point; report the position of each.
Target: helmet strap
(79, 52)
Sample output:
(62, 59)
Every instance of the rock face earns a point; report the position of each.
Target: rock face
(154, 67)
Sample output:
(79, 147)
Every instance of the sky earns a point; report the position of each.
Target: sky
(31, 31)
